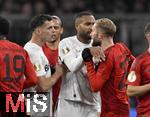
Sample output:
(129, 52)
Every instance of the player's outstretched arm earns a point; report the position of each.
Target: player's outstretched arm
(44, 84)
(137, 90)
(97, 78)
(69, 57)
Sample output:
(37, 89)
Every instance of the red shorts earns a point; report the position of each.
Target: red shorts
(111, 114)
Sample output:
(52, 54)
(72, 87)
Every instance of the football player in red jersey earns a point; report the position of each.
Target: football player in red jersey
(16, 71)
(51, 51)
(139, 80)
(110, 76)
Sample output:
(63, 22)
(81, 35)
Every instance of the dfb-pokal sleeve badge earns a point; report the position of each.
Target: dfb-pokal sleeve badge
(65, 50)
(37, 67)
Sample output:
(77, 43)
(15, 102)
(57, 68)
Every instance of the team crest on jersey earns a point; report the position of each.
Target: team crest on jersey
(132, 76)
(66, 50)
(37, 67)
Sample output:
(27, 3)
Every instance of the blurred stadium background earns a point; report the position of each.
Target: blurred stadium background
(129, 15)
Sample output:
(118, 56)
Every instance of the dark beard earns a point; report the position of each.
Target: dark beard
(96, 42)
(85, 36)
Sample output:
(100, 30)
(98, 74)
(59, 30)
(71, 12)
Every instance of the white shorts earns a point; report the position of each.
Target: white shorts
(68, 108)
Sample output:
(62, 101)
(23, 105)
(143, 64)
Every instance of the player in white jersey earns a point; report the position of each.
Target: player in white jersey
(40, 27)
(76, 99)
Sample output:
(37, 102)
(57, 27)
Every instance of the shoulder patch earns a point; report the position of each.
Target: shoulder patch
(65, 50)
(37, 67)
(132, 76)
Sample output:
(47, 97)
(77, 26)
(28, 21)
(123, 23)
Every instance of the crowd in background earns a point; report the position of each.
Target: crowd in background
(33, 7)
(30, 8)
(20, 11)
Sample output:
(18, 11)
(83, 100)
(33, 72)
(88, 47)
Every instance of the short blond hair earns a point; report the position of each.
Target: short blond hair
(147, 28)
(107, 26)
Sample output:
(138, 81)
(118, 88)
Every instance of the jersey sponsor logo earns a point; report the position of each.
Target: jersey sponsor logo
(132, 76)
(65, 50)
(37, 67)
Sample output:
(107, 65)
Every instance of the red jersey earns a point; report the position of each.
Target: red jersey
(140, 71)
(16, 69)
(110, 79)
(52, 56)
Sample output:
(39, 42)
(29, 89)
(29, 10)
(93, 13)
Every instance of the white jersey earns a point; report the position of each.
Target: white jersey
(38, 59)
(75, 86)
(41, 65)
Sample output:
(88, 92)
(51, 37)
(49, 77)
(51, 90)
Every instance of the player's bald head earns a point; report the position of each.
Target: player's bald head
(79, 17)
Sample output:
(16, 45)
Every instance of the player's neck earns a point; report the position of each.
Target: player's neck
(106, 43)
(53, 46)
(83, 40)
(37, 41)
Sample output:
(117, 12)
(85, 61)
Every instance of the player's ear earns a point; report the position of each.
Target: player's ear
(62, 30)
(76, 26)
(37, 31)
(147, 36)
(100, 35)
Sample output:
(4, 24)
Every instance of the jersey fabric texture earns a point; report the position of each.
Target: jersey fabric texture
(16, 67)
(52, 56)
(75, 86)
(42, 68)
(110, 79)
(140, 75)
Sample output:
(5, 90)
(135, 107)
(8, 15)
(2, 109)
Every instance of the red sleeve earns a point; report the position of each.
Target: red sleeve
(131, 57)
(134, 77)
(31, 78)
(98, 78)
